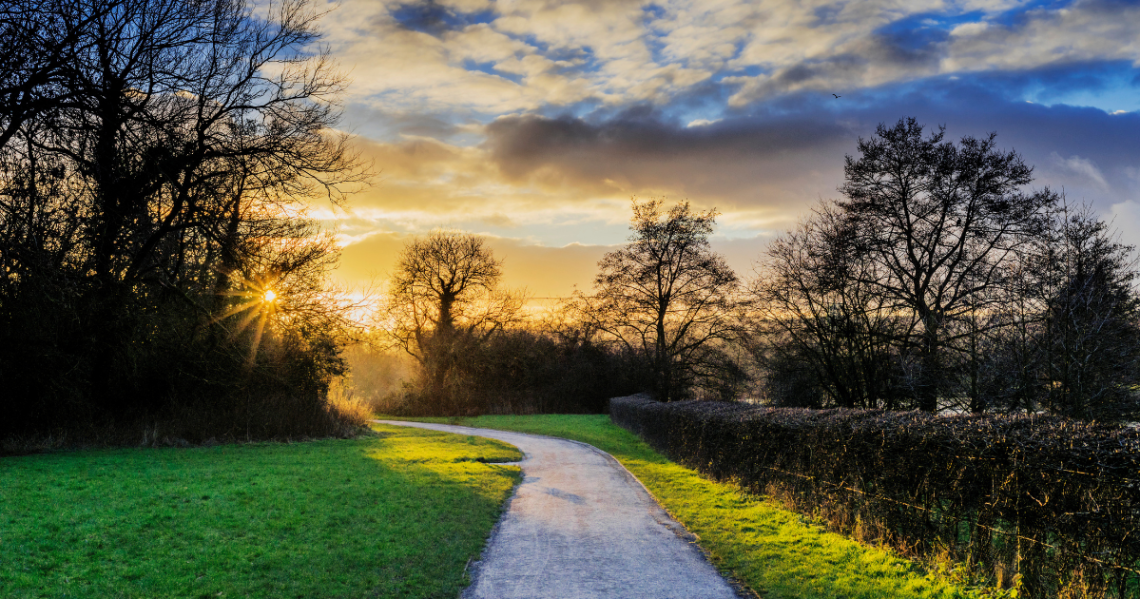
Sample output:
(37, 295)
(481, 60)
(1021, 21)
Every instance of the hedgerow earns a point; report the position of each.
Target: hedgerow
(1046, 505)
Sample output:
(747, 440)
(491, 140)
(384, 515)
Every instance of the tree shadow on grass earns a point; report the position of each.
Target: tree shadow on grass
(391, 516)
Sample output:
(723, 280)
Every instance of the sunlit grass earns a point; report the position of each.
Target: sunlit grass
(396, 515)
(775, 552)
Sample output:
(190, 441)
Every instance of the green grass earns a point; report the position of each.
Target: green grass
(773, 551)
(395, 515)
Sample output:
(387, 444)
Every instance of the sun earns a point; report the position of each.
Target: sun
(259, 303)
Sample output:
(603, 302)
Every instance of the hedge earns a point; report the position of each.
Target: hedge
(1047, 505)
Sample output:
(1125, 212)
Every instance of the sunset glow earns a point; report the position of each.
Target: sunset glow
(535, 122)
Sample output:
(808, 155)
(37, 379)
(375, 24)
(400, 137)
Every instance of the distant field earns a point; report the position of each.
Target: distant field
(772, 550)
(397, 515)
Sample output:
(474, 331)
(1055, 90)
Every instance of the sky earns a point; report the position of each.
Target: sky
(535, 122)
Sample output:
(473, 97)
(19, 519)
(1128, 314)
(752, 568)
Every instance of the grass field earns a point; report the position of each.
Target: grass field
(773, 551)
(395, 515)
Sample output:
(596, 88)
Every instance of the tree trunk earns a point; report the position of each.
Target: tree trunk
(929, 379)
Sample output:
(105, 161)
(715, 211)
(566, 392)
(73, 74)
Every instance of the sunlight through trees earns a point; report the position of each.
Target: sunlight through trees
(158, 158)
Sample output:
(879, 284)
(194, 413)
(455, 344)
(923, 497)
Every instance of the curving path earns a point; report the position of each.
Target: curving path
(580, 526)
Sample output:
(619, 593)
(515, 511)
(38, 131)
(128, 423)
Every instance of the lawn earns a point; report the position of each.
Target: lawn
(394, 515)
(772, 550)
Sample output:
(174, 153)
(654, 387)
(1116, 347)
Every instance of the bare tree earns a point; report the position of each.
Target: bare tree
(438, 276)
(827, 338)
(154, 161)
(668, 296)
(444, 300)
(1090, 336)
(938, 221)
(939, 283)
(42, 40)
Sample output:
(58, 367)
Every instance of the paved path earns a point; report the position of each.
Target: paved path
(580, 526)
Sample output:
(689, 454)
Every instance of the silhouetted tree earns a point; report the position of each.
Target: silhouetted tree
(444, 302)
(669, 297)
(827, 337)
(157, 166)
(938, 221)
(939, 283)
(1090, 338)
(41, 44)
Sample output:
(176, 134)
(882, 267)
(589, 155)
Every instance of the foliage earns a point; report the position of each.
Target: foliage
(398, 514)
(520, 371)
(668, 296)
(775, 552)
(1042, 504)
(154, 177)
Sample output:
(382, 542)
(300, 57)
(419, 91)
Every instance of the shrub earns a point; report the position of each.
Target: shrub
(1045, 504)
(172, 383)
(524, 372)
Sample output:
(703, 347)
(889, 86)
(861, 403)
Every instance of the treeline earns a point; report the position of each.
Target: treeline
(940, 281)
(473, 349)
(157, 271)
(663, 316)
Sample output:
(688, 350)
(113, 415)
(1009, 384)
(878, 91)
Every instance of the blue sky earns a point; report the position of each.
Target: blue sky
(536, 121)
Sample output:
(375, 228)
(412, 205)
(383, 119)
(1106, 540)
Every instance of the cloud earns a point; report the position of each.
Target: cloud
(569, 179)
(1085, 31)
(1125, 218)
(378, 123)
(1081, 167)
(876, 47)
(537, 120)
(742, 163)
(544, 271)
(529, 55)
(773, 163)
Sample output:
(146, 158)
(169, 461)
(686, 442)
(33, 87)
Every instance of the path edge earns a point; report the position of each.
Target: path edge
(670, 521)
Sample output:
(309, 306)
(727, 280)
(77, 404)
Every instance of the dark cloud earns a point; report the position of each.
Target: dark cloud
(637, 151)
(789, 152)
(1035, 130)
(523, 143)
(433, 18)
(1058, 80)
(426, 16)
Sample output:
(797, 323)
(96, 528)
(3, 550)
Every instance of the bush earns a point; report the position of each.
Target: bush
(170, 382)
(524, 372)
(1045, 504)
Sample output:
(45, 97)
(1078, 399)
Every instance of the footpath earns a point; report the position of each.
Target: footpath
(580, 526)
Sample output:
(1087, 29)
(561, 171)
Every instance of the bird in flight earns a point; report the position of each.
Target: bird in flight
(837, 96)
